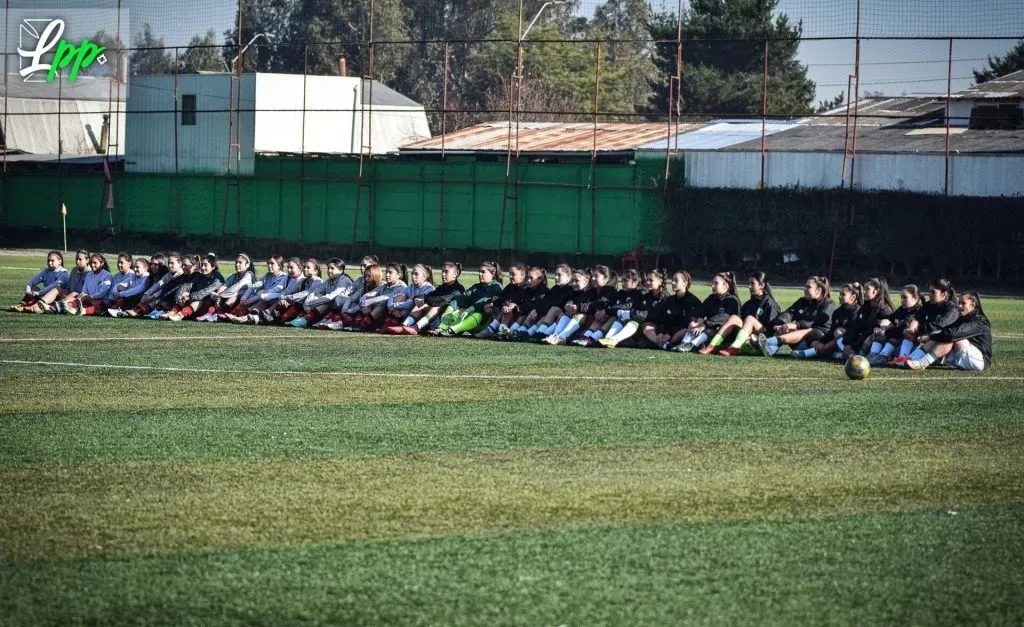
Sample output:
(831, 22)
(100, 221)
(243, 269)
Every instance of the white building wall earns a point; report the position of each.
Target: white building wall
(970, 175)
(986, 175)
(152, 124)
(335, 121)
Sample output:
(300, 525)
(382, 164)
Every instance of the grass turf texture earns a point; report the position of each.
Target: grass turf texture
(307, 485)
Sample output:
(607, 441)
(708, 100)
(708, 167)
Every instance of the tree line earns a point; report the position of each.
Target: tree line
(724, 55)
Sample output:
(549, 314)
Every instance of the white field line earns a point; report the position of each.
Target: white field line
(513, 377)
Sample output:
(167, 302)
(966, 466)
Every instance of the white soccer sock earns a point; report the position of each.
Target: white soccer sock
(562, 323)
(422, 322)
(700, 340)
(571, 327)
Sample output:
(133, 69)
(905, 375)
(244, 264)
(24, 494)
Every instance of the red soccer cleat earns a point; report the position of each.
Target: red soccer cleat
(729, 352)
(707, 350)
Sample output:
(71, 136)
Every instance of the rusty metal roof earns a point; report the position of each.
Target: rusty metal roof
(550, 137)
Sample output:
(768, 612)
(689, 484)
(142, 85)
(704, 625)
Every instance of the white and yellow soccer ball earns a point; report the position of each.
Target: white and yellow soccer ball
(857, 367)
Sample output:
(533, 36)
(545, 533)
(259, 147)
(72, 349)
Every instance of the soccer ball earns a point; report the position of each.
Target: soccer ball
(857, 367)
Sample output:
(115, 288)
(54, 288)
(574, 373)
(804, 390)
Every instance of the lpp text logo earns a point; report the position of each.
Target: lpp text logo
(77, 56)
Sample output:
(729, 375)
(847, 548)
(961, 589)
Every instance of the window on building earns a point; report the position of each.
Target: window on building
(188, 110)
(998, 116)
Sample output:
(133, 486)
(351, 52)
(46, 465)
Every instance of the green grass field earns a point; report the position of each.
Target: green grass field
(162, 473)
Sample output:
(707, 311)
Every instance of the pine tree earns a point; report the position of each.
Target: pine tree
(148, 54)
(1001, 66)
(724, 54)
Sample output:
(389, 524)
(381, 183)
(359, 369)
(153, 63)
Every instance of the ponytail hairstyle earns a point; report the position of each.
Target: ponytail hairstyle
(194, 259)
(976, 297)
(605, 271)
(427, 272)
(453, 264)
(660, 273)
(248, 266)
(59, 255)
(279, 260)
(730, 280)
(585, 273)
(543, 274)
(613, 279)
(563, 268)
(173, 255)
(914, 291)
(124, 256)
(762, 278)
(521, 267)
(376, 277)
(369, 260)
(316, 264)
(494, 269)
(826, 288)
(883, 297)
(84, 253)
(296, 261)
(943, 285)
(403, 272)
(103, 261)
(686, 277)
(212, 258)
(143, 261)
(337, 263)
(632, 275)
(858, 292)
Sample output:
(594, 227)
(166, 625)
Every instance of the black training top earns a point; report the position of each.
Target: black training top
(624, 300)
(646, 303)
(511, 293)
(677, 311)
(935, 316)
(808, 314)
(596, 299)
(842, 318)
(443, 294)
(763, 308)
(974, 327)
(717, 309)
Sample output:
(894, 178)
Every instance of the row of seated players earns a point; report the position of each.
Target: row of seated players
(584, 307)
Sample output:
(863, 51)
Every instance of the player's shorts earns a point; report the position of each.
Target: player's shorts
(969, 358)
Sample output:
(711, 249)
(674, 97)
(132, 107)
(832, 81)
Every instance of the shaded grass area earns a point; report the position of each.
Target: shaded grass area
(119, 508)
(513, 417)
(925, 567)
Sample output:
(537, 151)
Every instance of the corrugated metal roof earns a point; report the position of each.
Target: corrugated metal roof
(890, 139)
(719, 135)
(549, 137)
(84, 88)
(1010, 86)
(31, 125)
